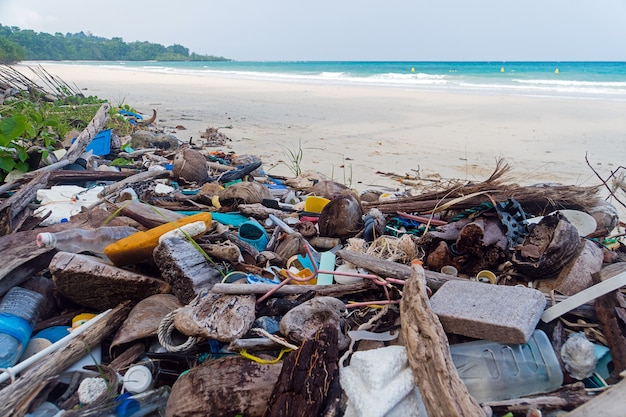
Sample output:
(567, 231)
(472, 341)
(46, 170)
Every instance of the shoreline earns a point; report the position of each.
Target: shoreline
(352, 131)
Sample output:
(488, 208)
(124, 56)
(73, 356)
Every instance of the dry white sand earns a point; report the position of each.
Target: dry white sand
(349, 132)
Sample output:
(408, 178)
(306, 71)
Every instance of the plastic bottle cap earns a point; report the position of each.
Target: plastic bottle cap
(81, 319)
(138, 379)
(127, 407)
(44, 240)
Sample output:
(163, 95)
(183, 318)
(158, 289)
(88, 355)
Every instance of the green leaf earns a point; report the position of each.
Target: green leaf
(30, 131)
(12, 128)
(22, 154)
(7, 163)
(22, 166)
(120, 162)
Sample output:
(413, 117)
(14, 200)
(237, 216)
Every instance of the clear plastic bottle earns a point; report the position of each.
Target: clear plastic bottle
(127, 405)
(19, 311)
(84, 240)
(494, 371)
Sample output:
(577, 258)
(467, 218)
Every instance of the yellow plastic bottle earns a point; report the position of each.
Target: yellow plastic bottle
(138, 247)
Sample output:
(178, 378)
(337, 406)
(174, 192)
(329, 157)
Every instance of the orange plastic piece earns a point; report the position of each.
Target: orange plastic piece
(138, 247)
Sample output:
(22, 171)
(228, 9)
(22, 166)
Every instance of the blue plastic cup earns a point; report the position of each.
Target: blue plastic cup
(253, 233)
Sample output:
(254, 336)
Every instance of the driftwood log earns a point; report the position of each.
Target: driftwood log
(389, 269)
(327, 290)
(443, 391)
(611, 313)
(14, 210)
(566, 398)
(21, 256)
(111, 190)
(16, 398)
(608, 404)
(63, 176)
(223, 387)
(146, 215)
(90, 282)
(94, 127)
(307, 375)
(185, 269)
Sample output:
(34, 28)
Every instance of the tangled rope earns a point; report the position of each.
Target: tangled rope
(394, 249)
(365, 326)
(166, 327)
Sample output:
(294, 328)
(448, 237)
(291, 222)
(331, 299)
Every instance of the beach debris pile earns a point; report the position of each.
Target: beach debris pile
(190, 282)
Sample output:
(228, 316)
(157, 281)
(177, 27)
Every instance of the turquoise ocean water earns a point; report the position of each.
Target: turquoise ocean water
(590, 80)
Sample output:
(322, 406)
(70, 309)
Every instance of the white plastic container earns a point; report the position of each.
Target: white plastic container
(495, 371)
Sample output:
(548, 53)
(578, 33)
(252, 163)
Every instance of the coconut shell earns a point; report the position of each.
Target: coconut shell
(304, 321)
(144, 319)
(292, 244)
(342, 217)
(190, 166)
(328, 189)
(550, 246)
(244, 193)
(217, 316)
(224, 387)
(579, 277)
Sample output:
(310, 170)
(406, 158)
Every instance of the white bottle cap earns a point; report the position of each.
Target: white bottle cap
(45, 240)
(138, 379)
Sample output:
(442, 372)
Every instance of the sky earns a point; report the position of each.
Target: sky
(390, 30)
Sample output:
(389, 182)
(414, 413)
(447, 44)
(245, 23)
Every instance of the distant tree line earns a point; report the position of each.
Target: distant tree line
(17, 45)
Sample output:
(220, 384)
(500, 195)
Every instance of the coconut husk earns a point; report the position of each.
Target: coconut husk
(244, 193)
(551, 245)
(292, 244)
(328, 189)
(305, 180)
(190, 166)
(144, 319)
(577, 276)
(304, 321)
(220, 317)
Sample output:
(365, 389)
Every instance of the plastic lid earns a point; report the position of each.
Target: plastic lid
(44, 240)
(126, 406)
(138, 379)
(81, 319)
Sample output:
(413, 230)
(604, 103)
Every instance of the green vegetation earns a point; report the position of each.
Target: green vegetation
(32, 126)
(294, 157)
(17, 45)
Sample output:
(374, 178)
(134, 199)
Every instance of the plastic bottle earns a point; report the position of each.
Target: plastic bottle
(128, 405)
(19, 311)
(84, 240)
(494, 371)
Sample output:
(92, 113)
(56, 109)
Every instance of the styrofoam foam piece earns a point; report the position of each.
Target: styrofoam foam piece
(64, 201)
(379, 383)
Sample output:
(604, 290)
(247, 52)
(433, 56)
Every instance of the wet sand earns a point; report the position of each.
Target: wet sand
(349, 132)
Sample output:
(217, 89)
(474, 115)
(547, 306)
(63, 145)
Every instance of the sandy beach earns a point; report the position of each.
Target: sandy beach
(349, 132)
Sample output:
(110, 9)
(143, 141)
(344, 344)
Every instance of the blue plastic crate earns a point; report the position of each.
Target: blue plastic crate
(101, 143)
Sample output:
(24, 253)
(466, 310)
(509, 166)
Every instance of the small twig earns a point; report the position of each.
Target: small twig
(604, 182)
